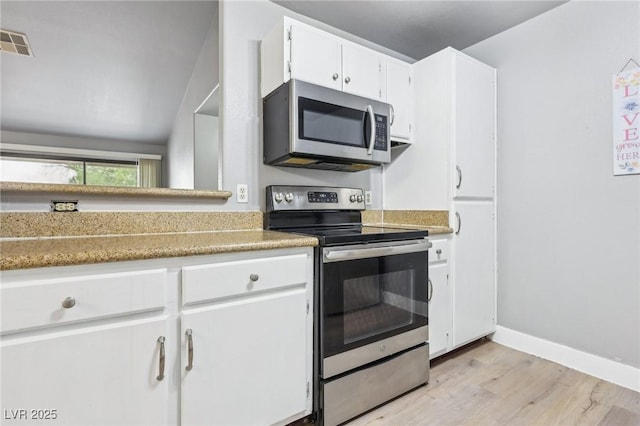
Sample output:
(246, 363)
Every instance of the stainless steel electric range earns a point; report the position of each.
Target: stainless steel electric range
(370, 299)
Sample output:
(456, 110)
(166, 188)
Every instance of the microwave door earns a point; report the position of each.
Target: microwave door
(331, 130)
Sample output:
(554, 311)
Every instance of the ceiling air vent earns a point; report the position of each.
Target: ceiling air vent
(12, 42)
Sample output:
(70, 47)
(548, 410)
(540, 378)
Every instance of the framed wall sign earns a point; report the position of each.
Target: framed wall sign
(626, 122)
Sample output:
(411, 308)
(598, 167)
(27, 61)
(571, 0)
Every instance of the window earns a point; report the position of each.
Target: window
(27, 168)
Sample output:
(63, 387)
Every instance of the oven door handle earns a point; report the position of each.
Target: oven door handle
(365, 253)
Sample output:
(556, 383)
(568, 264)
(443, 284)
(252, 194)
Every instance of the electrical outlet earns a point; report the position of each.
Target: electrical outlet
(64, 206)
(242, 193)
(368, 198)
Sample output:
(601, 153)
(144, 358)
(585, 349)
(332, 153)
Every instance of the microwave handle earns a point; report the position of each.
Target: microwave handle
(372, 125)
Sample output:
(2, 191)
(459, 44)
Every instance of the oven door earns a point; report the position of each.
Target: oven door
(373, 302)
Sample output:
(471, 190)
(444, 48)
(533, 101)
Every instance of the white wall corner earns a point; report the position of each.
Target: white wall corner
(602, 368)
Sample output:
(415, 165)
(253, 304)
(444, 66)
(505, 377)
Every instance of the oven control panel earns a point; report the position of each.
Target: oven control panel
(280, 197)
(322, 197)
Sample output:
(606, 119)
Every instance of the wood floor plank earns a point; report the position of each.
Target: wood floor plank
(489, 384)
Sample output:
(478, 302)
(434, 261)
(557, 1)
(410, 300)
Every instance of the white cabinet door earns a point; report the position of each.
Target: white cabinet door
(361, 70)
(316, 57)
(249, 360)
(399, 96)
(439, 309)
(474, 128)
(103, 375)
(474, 271)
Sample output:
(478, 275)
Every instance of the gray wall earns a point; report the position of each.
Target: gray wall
(180, 148)
(568, 230)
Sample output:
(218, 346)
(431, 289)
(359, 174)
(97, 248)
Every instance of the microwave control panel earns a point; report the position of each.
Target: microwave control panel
(381, 133)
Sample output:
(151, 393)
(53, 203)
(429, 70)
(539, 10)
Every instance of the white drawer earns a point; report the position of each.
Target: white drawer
(35, 303)
(439, 252)
(220, 280)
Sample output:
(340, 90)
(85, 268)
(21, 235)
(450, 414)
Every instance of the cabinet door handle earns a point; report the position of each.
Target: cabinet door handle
(430, 290)
(162, 358)
(459, 223)
(189, 349)
(347, 80)
(254, 277)
(393, 115)
(459, 170)
(335, 76)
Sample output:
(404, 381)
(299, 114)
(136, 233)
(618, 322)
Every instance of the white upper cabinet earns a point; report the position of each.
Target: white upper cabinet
(399, 95)
(474, 110)
(361, 71)
(306, 63)
(296, 50)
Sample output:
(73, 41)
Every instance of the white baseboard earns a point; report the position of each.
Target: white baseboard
(602, 368)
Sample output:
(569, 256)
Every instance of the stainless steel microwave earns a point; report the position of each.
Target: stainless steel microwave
(305, 125)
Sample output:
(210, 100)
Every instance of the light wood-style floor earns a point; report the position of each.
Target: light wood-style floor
(490, 384)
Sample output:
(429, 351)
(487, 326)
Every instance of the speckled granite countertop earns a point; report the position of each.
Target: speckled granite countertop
(43, 252)
(433, 230)
(34, 240)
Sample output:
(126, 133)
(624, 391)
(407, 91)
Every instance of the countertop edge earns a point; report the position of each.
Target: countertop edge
(100, 256)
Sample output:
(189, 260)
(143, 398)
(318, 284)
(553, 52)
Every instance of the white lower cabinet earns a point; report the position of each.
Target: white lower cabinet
(117, 352)
(104, 375)
(474, 291)
(246, 341)
(439, 299)
(439, 310)
(248, 361)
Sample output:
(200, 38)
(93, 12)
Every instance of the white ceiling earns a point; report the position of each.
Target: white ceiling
(119, 69)
(419, 28)
(110, 69)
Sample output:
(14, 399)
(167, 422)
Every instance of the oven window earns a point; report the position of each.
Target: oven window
(376, 304)
(366, 300)
(324, 122)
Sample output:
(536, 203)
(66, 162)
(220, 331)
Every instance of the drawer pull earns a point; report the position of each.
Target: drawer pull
(162, 358)
(189, 334)
(254, 277)
(430, 290)
(439, 251)
(68, 302)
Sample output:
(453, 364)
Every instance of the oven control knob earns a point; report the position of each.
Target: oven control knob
(352, 198)
(278, 197)
(288, 197)
(360, 198)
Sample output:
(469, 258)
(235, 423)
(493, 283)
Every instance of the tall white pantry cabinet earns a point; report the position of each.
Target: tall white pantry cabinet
(451, 166)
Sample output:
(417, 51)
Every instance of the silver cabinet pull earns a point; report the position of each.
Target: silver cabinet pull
(254, 277)
(189, 349)
(393, 115)
(459, 223)
(430, 290)
(335, 76)
(162, 358)
(459, 170)
(347, 80)
(439, 251)
(68, 302)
